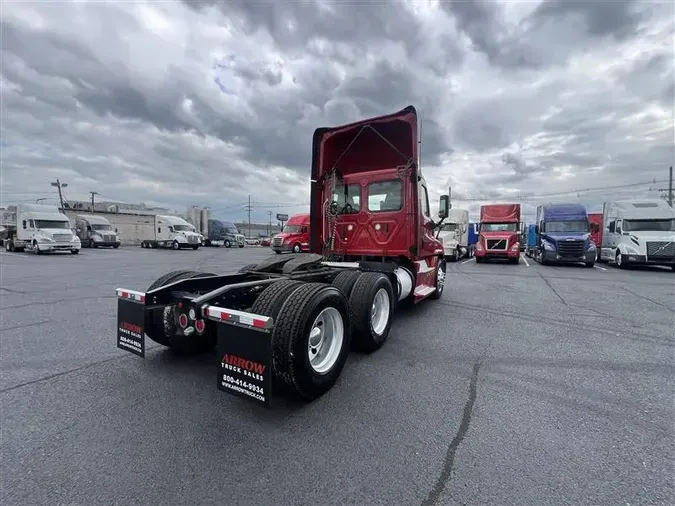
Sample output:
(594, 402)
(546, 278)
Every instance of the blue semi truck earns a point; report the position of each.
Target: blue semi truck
(472, 238)
(563, 235)
(531, 244)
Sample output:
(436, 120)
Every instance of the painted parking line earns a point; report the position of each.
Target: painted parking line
(469, 260)
(598, 267)
(525, 260)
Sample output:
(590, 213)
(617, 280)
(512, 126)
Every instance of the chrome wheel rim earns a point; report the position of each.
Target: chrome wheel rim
(440, 279)
(379, 312)
(325, 340)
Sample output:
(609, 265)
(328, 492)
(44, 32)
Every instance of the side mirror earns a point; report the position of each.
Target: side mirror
(115, 229)
(464, 228)
(536, 229)
(444, 206)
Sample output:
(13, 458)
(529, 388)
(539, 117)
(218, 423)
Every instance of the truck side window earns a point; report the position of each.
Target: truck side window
(31, 224)
(24, 223)
(612, 225)
(385, 196)
(347, 194)
(425, 202)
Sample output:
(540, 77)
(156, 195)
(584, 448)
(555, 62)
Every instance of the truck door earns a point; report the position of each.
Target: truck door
(428, 237)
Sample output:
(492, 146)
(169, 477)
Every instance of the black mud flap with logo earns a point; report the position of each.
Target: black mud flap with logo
(244, 346)
(131, 321)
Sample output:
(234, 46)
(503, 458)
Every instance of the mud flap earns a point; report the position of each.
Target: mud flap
(131, 321)
(244, 347)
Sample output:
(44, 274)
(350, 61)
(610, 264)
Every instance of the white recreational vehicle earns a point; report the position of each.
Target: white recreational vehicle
(454, 234)
(638, 232)
(172, 232)
(38, 228)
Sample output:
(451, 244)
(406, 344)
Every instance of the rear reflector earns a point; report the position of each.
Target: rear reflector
(240, 317)
(131, 295)
(200, 326)
(183, 320)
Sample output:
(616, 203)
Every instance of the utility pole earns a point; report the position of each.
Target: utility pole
(58, 184)
(269, 229)
(92, 200)
(249, 215)
(669, 195)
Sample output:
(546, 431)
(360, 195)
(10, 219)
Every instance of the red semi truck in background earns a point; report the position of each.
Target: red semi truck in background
(499, 233)
(294, 237)
(595, 220)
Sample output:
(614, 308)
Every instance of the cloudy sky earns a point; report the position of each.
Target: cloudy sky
(199, 102)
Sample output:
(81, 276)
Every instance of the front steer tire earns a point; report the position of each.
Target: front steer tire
(367, 338)
(291, 334)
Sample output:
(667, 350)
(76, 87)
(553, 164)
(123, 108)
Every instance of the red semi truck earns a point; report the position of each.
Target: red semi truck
(595, 220)
(294, 237)
(499, 233)
(289, 321)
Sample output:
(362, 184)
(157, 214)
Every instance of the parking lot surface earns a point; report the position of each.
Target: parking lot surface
(523, 385)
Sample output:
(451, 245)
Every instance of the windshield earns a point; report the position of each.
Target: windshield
(499, 227)
(291, 229)
(649, 225)
(52, 224)
(449, 227)
(101, 227)
(567, 226)
(231, 230)
(183, 228)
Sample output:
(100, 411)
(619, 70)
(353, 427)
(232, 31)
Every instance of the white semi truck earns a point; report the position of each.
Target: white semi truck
(172, 232)
(38, 228)
(455, 235)
(638, 232)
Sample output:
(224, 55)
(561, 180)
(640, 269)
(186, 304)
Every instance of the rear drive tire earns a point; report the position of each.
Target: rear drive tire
(371, 305)
(196, 247)
(345, 280)
(590, 265)
(314, 323)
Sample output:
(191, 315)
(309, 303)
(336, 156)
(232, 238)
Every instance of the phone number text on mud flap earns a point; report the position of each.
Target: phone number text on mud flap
(129, 343)
(244, 384)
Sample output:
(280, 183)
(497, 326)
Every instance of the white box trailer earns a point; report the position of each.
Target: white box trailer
(173, 232)
(638, 232)
(454, 234)
(38, 228)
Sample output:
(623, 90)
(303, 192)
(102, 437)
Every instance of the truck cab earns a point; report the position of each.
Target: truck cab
(225, 232)
(454, 233)
(370, 201)
(563, 235)
(173, 232)
(95, 231)
(638, 232)
(294, 236)
(595, 223)
(42, 228)
(499, 233)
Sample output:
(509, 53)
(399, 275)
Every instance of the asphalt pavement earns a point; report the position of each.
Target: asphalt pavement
(523, 385)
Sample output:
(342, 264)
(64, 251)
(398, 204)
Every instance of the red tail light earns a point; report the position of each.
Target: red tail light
(183, 320)
(200, 325)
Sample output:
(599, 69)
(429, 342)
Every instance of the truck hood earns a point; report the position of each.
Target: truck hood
(498, 235)
(287, 235)
(49, 232)
(654, 235)
(564, 236)
(382, 142)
